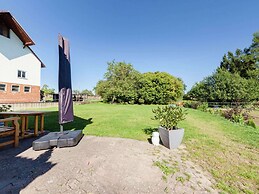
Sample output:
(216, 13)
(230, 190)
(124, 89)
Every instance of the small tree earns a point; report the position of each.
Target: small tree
(87, 92)
(119, 84)
(46, 90)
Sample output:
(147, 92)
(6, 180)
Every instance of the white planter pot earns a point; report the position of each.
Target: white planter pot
(172, 138)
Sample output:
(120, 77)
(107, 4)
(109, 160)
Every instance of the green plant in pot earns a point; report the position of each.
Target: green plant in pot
(169, 117)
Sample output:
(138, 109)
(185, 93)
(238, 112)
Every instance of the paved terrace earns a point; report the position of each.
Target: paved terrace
(100, 165)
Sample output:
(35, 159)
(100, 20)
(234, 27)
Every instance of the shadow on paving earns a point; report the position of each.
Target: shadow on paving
(16, 171)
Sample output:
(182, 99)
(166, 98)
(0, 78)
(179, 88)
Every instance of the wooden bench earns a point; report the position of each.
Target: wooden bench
(10, 131)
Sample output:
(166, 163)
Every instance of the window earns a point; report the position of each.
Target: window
(15, 88)
(27, 89)
(2, 87)
(4, 30)
(21, 74)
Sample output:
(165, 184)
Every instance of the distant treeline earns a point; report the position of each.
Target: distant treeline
(235, 80)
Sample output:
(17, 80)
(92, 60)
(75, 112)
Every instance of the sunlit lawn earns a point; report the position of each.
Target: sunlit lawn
(228, 151)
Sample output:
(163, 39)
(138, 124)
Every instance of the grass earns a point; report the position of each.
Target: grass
(230, 152)
(166, 168)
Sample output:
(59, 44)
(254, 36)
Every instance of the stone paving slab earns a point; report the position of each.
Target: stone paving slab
(101, 165)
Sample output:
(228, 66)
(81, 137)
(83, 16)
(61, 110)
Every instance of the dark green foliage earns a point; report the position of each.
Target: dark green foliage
(243, 63)
(192, 104)
(5, 108)
(169, 116)
(123, 84)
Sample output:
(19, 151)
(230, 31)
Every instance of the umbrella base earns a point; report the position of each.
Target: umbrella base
(57, 139)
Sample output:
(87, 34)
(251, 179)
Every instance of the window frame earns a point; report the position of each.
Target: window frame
(4, 88)
(27, 87)
(14, 86)
(21, 72)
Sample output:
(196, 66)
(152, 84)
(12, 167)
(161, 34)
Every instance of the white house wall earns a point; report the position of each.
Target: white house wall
(14, 57)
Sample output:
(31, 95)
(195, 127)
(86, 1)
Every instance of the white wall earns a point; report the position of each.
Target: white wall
(14, 57)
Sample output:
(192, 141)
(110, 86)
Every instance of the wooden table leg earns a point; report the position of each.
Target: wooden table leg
(36, 125)
(5, 123)
(23, 120)
(42, 123)
(26, 123)
(16, 134)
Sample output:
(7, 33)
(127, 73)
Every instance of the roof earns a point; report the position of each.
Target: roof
(11, 23)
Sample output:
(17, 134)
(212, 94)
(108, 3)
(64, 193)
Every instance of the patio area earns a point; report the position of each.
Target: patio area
(98, 165)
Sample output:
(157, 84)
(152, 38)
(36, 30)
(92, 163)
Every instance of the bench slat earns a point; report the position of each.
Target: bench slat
(3, 134)
(7, 131)
(3, 129)
(6, 143)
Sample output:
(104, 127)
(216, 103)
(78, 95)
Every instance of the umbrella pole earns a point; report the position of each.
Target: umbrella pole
(61, 128)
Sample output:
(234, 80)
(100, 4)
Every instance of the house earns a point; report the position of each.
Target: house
(20, 68)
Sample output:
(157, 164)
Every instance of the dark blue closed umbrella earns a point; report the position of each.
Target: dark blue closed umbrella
(62, 138)
(64, 83)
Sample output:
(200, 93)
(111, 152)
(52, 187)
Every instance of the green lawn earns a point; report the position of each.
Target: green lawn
(228, 151)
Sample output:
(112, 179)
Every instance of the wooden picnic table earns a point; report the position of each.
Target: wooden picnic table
(24, 115)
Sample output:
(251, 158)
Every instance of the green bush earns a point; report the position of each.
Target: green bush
(239, 115)
(169, 116)
(238, 119)
(131, 102)
(203, 106)
(251, 123)
(214, 111)
(141, 101)
(192, 104)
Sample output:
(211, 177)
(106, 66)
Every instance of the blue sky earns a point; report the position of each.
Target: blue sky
(184, 38)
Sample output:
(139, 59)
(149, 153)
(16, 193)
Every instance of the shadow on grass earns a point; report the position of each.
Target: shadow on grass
(51, 122)
(150, 130)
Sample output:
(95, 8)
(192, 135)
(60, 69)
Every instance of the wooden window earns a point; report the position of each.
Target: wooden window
(2, 87)
(21, 74)
(15, 88)
(27, 89)
(4, 30)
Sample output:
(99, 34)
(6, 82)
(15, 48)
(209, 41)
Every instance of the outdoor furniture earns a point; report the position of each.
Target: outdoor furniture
(24, 115)
(10, 131)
